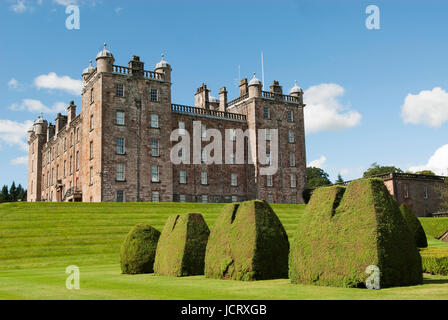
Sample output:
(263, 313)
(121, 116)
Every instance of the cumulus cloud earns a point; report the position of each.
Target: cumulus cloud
(13, 133)
(428, 107)
(65, 2)
(54, 82)
(19, 161)
(437, 163)
(19, 6)
(36, 106)
(324, 112)
(13, 84)
(318, 163)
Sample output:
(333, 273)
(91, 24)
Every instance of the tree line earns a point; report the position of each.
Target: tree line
(13, 193)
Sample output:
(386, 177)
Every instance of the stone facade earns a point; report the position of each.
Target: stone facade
(423, 194)
(118, 148)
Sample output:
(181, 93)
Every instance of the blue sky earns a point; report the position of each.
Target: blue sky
(373, 95)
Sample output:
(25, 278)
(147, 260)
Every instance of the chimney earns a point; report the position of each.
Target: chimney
(223, 99)
(243, 87)
(276, 88)
(50, 132)
(71, 111)
(201, 97)
(136, 66)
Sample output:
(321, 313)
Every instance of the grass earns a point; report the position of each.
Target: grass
(39, 240)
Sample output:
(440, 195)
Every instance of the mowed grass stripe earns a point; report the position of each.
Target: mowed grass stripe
(59, 234)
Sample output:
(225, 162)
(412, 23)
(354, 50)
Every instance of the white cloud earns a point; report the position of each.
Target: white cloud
(118, 10)
(54, 82)
(427, 107)
(19, 6)
(324, 112)
(19, 161)
(318, 163)
(13, 84)
(65, 2)
(14, 133)
(36, 106)
(437, 163)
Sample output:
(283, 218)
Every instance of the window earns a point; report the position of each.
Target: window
(154, 121)
(120, 172)
(181, 154)
(203, 156)
(268, 134)
(290, 116)
(266, 113)
(91, 122)
(182, 198)
(120, 196)
(269, 181)
(293, 180)
(268, 158)
(293, 199)
(120, 118)
(232, 135)
(77, 160)
(232, 158)
(234, 179)
(119, 92)
(203, 177)
(155, 147)
(155, 174)
(425, 192)
(181, 128)
(91, 176)
(406, 190)
(71, 164)
(203, 131)
(292, 159)
(234, 199)
(291, 136)
(91, 150)
(77, 135)
(155, 196)
(182, 176)
(270, 198)
(120, 145)
(65, 166)
(204, 198)
(65, 144)
(154, 95)
(77, 183)
(91, 96)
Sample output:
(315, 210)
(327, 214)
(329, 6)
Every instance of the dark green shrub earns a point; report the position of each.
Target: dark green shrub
(247, 242)
(345, 230)
(139, 249)
(181, 247)
(435, 260)
(414, 226)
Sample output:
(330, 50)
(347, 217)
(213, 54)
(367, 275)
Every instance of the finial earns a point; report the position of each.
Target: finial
(254, 74)
(295, 82)
(90, 62)
(163, 56)
(105, 45)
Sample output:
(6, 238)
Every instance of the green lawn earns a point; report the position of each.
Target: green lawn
(39, 240)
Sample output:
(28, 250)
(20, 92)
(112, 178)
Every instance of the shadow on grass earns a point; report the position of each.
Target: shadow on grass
(435, 281)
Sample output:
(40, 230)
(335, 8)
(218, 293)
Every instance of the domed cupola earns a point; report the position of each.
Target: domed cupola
(295, 89)
(105, 53)
(162, 63)
(255, 81)
(89, 69)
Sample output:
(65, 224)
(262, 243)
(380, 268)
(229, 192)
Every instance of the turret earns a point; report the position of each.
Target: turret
(296, 91)
(40, 126)
(255, 87)
(104, 60)
(87, 71)
(164, 68)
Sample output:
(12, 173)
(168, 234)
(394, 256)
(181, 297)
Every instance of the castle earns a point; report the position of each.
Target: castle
(118, 148)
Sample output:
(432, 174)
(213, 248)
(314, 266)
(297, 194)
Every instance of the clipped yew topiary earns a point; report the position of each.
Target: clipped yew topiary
(414, 226)
(345, 230)
(247, 242)
(139, 249)
(181, 247)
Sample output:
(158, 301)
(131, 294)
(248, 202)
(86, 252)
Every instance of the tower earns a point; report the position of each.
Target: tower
(37, 137)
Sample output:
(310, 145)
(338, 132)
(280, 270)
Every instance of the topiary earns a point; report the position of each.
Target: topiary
(346, 230)
(139, 249)
(414, 226)
(248, 242)
(181, 247)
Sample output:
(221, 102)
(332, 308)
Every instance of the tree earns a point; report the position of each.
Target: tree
(375, 169)
(20, 193)
(426, 172)
(316, 177)
(4, 195)
(339, 180)
(13, 192)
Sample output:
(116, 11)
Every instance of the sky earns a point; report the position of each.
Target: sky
(372, 94)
